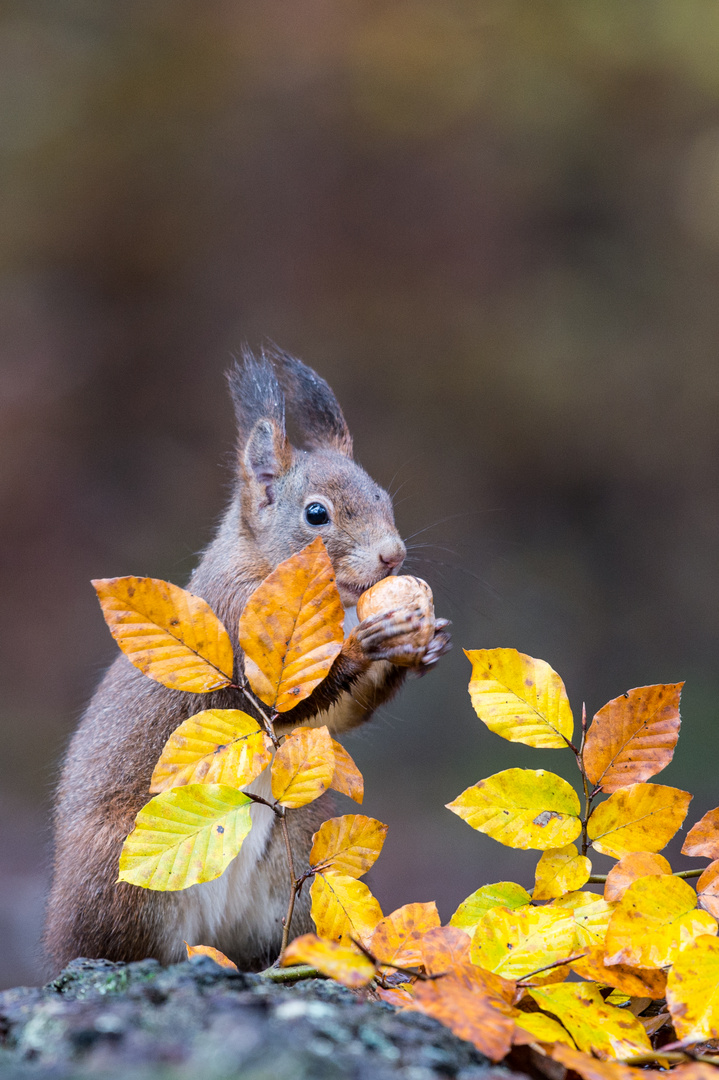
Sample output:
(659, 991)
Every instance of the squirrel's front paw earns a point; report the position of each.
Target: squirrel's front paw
(440, 644)
(387, 636)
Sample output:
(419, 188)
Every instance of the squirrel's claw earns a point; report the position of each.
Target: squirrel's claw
(440, 644)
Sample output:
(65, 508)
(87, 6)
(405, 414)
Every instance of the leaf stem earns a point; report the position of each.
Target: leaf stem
(548, 967)
(599, 879)
(254, 701)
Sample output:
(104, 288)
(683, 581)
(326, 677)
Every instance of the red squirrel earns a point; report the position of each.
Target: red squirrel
(283, 498)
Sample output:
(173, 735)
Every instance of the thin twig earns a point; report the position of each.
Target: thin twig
(291, 974)
(293, 883)
(548, 967)
(254, 701)
(600, 879)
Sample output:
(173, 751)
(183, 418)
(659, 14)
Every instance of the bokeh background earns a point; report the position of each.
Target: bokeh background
(493, 226)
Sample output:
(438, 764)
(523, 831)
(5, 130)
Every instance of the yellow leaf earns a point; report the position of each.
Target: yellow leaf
(693, 990)
(560, 870)
(218, 746)
(589, 1068)
(591, 915)
(443, 948)
(503, 894)
(291, 629)
(344, 963)
(303, 767)
(538, 1027)
(343, 908)
(633, 737)
(642, 817)
(516, 943)
(708, 889)
(656, 917)
(172, 636)
(633, 866)
(347, 778)
(596, 1027)
(522, 808)
(184, 836)
(396, 938)
(348, 845)
(703, 838)
(214, 954)
(466, 1011)
(638, 982)
(520, 698)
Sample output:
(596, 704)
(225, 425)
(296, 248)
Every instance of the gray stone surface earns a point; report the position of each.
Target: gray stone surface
(196, 1020)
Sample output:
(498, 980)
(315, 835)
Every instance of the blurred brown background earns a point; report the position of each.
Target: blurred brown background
(493, 225)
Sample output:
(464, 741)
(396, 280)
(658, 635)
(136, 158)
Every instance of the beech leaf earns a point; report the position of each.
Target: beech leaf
(591, 914)
(349, 844)
(443, 948)
(503, 894)
(537, 1027)
(637, 982)
(291, 628)
(633, 737)
(396, 938)
(172, 636)
(656, 917)
(469, 1013)
(560, 870)
(184, 836)
(303, 767)
(516, 943)
(344, 963)
(630, 868)
(708, 889)
(343, 908)
(590, 1068)
(522, 808)
(703, 838)
(347, 779)
(693, 990)
(642, 817)
(520, 698)
(214, 954)
(595, 1026)
(218, 746)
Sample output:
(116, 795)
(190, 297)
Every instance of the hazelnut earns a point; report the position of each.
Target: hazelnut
(401, 593)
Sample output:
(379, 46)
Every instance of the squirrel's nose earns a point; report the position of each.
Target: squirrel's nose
(391, 555)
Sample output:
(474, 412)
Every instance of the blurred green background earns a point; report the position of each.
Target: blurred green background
(493, 226)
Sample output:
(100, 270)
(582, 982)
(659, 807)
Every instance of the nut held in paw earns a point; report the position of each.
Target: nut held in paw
(402, 594)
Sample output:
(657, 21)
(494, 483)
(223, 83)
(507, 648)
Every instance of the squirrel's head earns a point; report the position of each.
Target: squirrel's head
(289, 496)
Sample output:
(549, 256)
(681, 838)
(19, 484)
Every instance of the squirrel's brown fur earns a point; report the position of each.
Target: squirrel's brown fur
(106, 774)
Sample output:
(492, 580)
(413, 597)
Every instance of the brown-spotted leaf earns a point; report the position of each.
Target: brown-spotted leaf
(401, 997)
(396, 939)
(516, 943)
(214, 954)
(348, 844)
(343, 963)
(653, 921)
(469, 1013)
(595, 1026)
(590, 1068)
(642, 817)
(443, 948)
(703, 838)
(693, 990)
(291, 629)
(172, 636)
(217, 746)
(637, 982)
(630, 868)
(343, 908)
(560, 870)
(633, 737)
(303, 767)
(347, 778)
(502, 894)
(708, 889)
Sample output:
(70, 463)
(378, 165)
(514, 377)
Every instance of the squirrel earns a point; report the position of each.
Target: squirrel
(283, 497)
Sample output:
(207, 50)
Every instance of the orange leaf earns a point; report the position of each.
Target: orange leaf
(589, 1068)
(633, 737)
(344, 963)
(703, 838)
(214, 954)
(642, 817)
(443, 948)
(656, 917)
(343, 908)
(348, 845)
(291, 629)
(467, 1012)
(303, 767)
(172, 636)
(708, 889)
(402, 996)
(218, 746)
(396, 939)
(347, 778)
(633, 866)
(637, 982)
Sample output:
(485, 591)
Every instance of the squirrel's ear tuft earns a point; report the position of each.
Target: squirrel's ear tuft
(313, 407)
(256, 394)
(266, 457)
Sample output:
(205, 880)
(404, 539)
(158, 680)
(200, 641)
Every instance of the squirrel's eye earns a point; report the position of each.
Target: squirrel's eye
(316, 514)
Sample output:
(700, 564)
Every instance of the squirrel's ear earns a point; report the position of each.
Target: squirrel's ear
(311, 404)
(266, 457)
